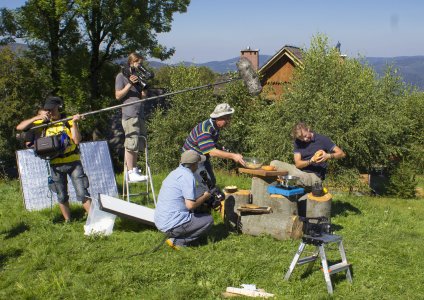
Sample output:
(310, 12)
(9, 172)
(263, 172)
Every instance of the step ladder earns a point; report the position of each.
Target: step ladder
(320, 243)
(149, 188)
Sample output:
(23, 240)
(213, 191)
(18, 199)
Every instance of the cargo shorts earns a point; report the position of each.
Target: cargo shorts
(59, 174)
(134, 128)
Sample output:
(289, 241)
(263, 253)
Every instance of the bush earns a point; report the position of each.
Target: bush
(402, 181)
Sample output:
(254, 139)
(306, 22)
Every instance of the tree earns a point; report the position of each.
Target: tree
(23, 88)
(113, 29)
(108, 28)
(48, 25)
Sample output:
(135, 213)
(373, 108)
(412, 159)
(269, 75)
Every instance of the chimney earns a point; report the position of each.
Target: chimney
(252, 55)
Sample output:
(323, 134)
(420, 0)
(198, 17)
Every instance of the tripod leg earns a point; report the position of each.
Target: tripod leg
(311, 264)
(325, 269)
(294, 261)
(344, 260)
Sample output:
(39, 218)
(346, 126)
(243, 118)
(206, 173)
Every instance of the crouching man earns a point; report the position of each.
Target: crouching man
(177, 200)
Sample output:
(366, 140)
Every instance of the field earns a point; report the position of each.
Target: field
(43, 258)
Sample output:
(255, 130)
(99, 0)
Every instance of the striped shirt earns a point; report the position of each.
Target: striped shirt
(202, 138)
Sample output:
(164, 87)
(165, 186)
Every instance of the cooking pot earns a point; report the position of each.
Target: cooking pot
(288, 180)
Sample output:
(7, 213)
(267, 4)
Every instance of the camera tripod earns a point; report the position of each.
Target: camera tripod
(319, 242)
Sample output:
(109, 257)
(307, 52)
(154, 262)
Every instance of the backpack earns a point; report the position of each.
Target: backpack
(52, 146)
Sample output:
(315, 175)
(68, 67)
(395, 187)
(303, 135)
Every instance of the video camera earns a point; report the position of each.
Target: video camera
(142, 75)
(316, 227)
(216, 194)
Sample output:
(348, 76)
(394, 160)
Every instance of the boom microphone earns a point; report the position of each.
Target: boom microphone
(245, 70)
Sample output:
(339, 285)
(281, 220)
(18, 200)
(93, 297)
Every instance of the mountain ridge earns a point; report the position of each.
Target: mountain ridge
(410, 68)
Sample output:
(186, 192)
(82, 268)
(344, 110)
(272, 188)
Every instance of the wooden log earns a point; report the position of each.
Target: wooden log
(318, 206)
(283, 223)
(231, 203)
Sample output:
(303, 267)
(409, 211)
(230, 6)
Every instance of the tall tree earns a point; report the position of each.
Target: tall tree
(113, 28)
(109, 28)
(49, 25)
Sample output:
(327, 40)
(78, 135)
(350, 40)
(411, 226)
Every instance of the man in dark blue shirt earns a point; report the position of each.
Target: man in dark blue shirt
(311, 153)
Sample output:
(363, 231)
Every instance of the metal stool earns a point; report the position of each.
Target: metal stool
(319, 243)
(149, 181)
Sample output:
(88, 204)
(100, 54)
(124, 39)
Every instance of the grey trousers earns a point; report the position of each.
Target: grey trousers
(305, 179)
(199, 224)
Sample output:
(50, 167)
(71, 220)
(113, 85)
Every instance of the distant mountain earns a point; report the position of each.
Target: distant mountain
(411, 68)
(223, 66)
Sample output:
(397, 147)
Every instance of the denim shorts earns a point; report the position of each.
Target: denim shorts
(59, 185)
(133, 128)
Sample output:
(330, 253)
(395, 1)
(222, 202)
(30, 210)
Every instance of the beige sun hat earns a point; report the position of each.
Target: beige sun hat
(222, 109)
(191, 157)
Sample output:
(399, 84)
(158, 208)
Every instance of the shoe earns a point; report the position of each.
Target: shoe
(171, 244)
(134, 176)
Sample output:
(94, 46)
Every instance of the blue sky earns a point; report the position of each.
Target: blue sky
(219, 29)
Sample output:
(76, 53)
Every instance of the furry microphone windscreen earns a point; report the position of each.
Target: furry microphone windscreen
(249, 76)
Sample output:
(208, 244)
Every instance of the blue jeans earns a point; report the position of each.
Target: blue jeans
(60, 181)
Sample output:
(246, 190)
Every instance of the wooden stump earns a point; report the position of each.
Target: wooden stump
(318, 206)
(231, 203)
(283, 223)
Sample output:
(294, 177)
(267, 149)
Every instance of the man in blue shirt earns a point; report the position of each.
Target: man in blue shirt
(309, 167)
(176, 201)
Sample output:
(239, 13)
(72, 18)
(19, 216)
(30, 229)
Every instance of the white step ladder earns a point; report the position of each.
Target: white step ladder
(149, 188)
(319, 243)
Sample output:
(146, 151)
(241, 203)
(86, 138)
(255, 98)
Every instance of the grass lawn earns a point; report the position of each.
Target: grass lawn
(43, 258)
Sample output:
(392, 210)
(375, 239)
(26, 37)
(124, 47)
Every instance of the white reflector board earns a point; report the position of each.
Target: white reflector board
(33, 174)
(127, 209)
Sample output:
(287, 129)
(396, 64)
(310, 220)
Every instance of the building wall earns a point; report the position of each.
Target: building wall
(277, 77)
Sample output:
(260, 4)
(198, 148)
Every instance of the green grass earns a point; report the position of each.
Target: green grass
(42, 258)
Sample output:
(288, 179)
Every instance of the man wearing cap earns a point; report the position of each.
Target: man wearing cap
(68, 162)
(204, 137)
(177, 200)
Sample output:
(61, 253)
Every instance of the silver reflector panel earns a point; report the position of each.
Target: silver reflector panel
(127, 209)
(33, 175)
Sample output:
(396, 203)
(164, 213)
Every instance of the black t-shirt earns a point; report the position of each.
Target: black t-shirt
(308, 149)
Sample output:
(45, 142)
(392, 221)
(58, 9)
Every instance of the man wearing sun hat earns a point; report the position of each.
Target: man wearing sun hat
(203, 139)
(177, 200)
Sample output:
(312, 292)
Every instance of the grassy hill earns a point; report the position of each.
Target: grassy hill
(42, 258)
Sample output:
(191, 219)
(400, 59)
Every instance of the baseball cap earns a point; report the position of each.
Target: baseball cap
(191, 157)
(52, 102)
(222, 109)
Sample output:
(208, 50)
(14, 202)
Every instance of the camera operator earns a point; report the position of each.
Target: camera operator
(177, 200)
(129, 88)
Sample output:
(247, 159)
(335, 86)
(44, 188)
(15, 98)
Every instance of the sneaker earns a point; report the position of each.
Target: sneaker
(133, 176)
(171, 244)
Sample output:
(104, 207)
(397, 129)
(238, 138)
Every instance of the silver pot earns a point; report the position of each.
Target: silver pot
(288, 180)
